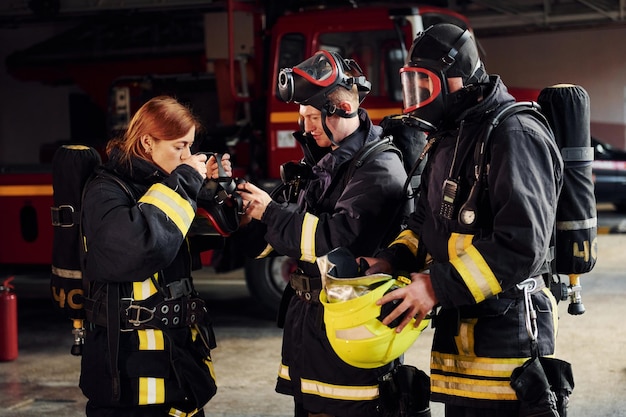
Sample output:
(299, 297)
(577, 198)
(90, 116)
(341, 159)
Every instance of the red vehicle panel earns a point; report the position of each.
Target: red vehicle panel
(25, 222)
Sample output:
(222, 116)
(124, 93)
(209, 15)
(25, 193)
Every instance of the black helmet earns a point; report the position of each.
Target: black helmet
(310, 82)
(440, 52)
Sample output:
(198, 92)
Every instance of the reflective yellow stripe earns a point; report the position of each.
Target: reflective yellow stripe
(209, 364)
(471, 366)
(472, 267)
(465, 338)
(555, 307)
(178, 413)
(172, 204)
(151, 339)
(268, 249)
(143, 290)
(207, 359)
(307, 240)
(151, 390)
(339, 392)
(408, 239)
(472, 388)
(25, 190)
(283, 372)
(470, 373)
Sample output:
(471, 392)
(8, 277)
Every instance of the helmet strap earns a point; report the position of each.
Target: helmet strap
(477, 76)
(334, 110)
(325, 127)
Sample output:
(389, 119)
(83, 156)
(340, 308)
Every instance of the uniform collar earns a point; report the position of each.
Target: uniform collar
(139, 171)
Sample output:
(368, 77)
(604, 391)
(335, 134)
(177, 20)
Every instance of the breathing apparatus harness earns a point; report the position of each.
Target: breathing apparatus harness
(310, 82)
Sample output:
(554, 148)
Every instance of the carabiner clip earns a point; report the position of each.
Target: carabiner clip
(528, 286)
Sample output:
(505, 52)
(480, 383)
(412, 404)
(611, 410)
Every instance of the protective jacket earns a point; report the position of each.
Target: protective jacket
(149, 338)
(331, 214)
(480, 328)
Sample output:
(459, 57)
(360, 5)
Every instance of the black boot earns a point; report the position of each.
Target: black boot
(533, 390)
(405, 392)
(414, 387)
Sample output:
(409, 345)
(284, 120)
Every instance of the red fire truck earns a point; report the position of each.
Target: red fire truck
(231, 84)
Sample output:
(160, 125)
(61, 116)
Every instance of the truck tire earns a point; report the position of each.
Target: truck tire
(266, 279)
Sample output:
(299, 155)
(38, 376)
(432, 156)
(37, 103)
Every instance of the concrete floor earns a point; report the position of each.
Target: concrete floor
(42, 381)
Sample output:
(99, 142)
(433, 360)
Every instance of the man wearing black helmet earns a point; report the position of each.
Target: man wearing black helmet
(467, 264)
(332, 211)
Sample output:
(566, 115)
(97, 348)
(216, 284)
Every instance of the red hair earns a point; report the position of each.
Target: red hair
(163, 118)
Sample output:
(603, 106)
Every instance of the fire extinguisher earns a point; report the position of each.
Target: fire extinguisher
(8, 321)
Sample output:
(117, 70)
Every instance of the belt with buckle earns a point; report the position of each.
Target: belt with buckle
(305, 287)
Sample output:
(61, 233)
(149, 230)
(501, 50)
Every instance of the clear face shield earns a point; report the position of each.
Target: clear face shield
(309, 82)
(320, 70)
(423, 96)
(309, 78)
(419, 87)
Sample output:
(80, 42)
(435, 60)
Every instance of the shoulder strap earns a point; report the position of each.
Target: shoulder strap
(530, 107)
(103, 173)
(468, 213)
(367, 152)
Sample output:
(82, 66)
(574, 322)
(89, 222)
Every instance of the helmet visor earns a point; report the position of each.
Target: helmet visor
(419, 87)
(321, 69)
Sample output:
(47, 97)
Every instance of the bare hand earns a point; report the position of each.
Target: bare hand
(198, 162)
(255, 200)
(418, 299)
(212, 167)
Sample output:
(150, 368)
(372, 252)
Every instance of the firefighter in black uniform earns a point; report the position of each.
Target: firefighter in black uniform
(332, 211)
(147, 347)
(465, 263)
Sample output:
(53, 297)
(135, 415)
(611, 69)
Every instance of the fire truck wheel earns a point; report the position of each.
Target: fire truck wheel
(266, 279)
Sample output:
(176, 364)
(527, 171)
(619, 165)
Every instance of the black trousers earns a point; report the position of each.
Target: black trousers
(456, 411)
(139, 411)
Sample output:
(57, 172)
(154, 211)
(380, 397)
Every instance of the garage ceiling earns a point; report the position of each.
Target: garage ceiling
(494, 17)
(488, 17)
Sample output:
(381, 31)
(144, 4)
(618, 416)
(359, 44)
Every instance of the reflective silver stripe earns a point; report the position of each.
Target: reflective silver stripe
(339, 392)
(578, 153)
(470, 376)
(475, 366)
(473, 388)
(67, 273)
(179, 210)
(577, 224)
(307, 240)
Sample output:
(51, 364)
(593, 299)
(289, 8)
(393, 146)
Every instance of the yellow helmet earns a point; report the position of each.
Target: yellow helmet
(356, 334)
